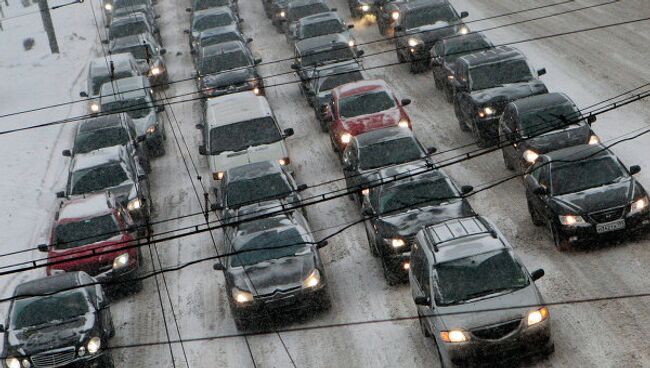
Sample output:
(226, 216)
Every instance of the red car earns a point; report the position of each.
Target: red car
(94, 224)
(362, 106)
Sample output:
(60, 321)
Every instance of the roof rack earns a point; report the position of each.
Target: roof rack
(488, 230)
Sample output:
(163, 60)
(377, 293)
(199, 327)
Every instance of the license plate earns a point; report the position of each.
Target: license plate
(610, 226)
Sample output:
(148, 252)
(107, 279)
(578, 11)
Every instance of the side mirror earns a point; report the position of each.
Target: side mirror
(537, 274)
(200, 126)
(105, 42)
(360, 53)
(83, 94)
(301, 187)
(321, 244)
(43, 247)
(249, 40)
(406, 101)
(350, 26)
(189, 10)
(431, 150)
(591, 119)
(219, 266)
(541, 72)
(635, 169)
(60, 194)
(160, 108)
(295, 66)
(202, 150)
(422, 300)
(398, 28)
(216, 207)
(66, 153)
(465, 189)
(186, 31)
(540, 190)
(464, 14)
(257, 61)
(288, 132)
(162, 51)
(311, 93)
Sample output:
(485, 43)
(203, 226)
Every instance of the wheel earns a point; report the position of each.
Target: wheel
(160, 151)
(459, 116)
(506, 161)
(137, 286)
(107, 362)
(400, 57)
(449, 94)
(560, 243)
(323, 126)
(423, 328)
(373, 249)
(534, 216)
(414, 68)
(391, 278)
(325, 303)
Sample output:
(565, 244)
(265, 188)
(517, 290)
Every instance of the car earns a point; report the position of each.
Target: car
(256, 182)
(584, 194)
(387, 15)
(240, 128)
(420, 25)
(277, 11)
(398, 209)
(280, 244)
(112, 170)
(227, 67)
(106, 131)
(360, 107)
(318, 25)
(461, 269)
(132, 24)
(129, 9)
(445, 52)
(297, 9)
(317, 51)
(318, 88)
(369, 153)
(147, 53)
(70, 317)
(133, 96)
(96, 223)
(198, 5)
(110, 6)
(203, 20)
(102, 70)
(215, 36)
(535, 125)
(485, 82)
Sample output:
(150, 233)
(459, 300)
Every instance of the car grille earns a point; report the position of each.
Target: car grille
(608, 215)
(495, 332)
(54, 358)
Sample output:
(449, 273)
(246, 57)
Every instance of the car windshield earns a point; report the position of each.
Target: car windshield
(544, 120)
(420, 193)
(298, 12)
(243, 192)
(498, 74)
(220, 38)
(338, 79)
(322, 56)
(99, 80)
(206, 4)
(478, 276)
(95, 139)
(137, 108)
(429, 15)
(212, 21)
(239, 136)
(585, 174)
(98, 178)
(37, 311)
(87, 231)
(138, 51)
(366, 103)
(269, 245)
(391, 152)
(322, 28)
(454, 50)
(123, 29)
(225, 61)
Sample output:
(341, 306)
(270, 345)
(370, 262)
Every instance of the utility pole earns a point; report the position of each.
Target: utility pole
(47, 24)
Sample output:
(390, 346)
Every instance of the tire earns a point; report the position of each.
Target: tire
(459, 116)
(107, 362)
(560, 243)
(137, 286)
(506, 161)
(325, 302)
(534, 216)
(323, 126)
(414, 68)
(373, 248)
(423, 328)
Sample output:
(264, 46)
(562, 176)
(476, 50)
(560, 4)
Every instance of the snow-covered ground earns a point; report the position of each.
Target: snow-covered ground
(589, 67)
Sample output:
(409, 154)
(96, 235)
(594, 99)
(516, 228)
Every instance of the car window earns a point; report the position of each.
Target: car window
(136, 108)
(99, 138)
(295, 13)
(124, 29)
(268, 245)
(428, 15)
(225, 61)
(546, 119)
(426, 281)
(206, 4)
(63, 306)
(220, 38)
(86, 231)
(321, 56)
(332, 81)
(322, 28)
(417, 193)
(212, 21)
(497, 74)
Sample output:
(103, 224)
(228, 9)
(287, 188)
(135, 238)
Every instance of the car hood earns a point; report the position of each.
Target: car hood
(225, 79)
(364, 123)
(464, 316)
(558, 139)
(263, 152)
(406, 224)
(430, 33)
(275, 275)
(143, 123)
(122, 192)
(30, 341)
(509, 92)
(604, 197)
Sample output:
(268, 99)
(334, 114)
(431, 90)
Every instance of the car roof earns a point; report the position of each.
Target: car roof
(319, 17)
(132, 87)
(88, 206)
(542, 101)
(321, 42)
(299, 3)
(237, 107)
(130, 41)
(50, 284)
(120, 61)
(580, 152)
(383, 135)
(222, 48)
(253, 170)
(101, 122)
(98, 157)
(493, 55)
(362, 86)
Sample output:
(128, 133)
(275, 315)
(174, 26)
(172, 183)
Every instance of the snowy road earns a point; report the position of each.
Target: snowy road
(589, 67)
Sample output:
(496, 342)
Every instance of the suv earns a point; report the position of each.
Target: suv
(539, 124)
(240, 128)
(276, 267)
(313, 52)
(485, 82)
(147, 53)
(64, 318)
(460, 270)
(420, 25)
(397, 210)
(297, 9)
(110, 169)
(318, 25)
(92, 224)
(584, 193)
(444, 54)
(102, 70)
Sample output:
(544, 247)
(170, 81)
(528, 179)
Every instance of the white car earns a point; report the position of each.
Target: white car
(239, 129)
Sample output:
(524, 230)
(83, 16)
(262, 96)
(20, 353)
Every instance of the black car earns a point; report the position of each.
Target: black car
(147, 53)
(203, 20)
(485, 82)
(445, 52)
(398, 209)
(278, 268)
(297, 9)
(198, 5)
(420, 25)
(316, 51)
(535, 125)
(318, 25)
(226, 68)
(71, 327)
(583, 193)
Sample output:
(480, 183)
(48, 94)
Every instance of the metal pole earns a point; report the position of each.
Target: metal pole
(47, 24)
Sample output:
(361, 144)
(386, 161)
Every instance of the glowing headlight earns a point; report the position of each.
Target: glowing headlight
(121, 261)
(284, 161)
(12, 363)
(351, 43)
(93, 345)
(453, 336)
(108, 6)
(486, 111)
(26, 363)
(406, 266)
(365, 191)
(283, 14)
(151, 129)
(463, 30)
(403, 123)
(218, 175)
(639, 205)
(414, 42)
(346, 138)
(397, 243)
(593, 139)
(365, 7)
(312, 280)
(571, 220)
(530, 156)
(537, 316)
(451, 77)
(134, 204)
(155, 70)
(394, 15)
(256, 91)
(241, 296)
(94, 107)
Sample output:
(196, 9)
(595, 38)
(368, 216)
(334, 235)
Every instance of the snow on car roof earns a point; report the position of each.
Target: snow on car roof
(133, 87)
(319, 17)
(360, 87)
(120, 63)
(98, 157)
(89, 206)
(253, 170)
(493, 55)
(236, 107)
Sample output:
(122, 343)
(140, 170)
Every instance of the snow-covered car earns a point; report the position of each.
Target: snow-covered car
(203, 20)
(68, 321)
(110, 169)
(132, 24)
(145, 10)
(321, 50)
(240, 128)
(133, 96)
(102, 70)
(318, 25)
(147, 53)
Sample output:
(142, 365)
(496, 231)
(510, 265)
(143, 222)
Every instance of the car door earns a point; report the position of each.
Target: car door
(540, 173)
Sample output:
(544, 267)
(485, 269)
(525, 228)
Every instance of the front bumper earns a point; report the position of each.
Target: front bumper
(281, 302)
(488, 128)
(118, 279)
(588, 233)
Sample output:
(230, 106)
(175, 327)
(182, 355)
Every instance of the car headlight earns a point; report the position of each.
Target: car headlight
(639, 205)
(218, 175)
(593, 139)
(284, 161)
(12, 363)
(108, 6)
(396, 242)
(365, 7)
(312, 280)
(414, 41)
(241, 296)
(151, 129)
(365, 191)
(134, 204)
(463, 30)
(394, 15)
(451, 77)
(94, 107)
(346, 138)
(537, 316)
(571, 220)
(486, 111)
(256, 91)
(403, 123)
(453, 336)
(156, 70)
(282, 14)
(93, 345)
(351, 43)
(530, 156)
(121, 261)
